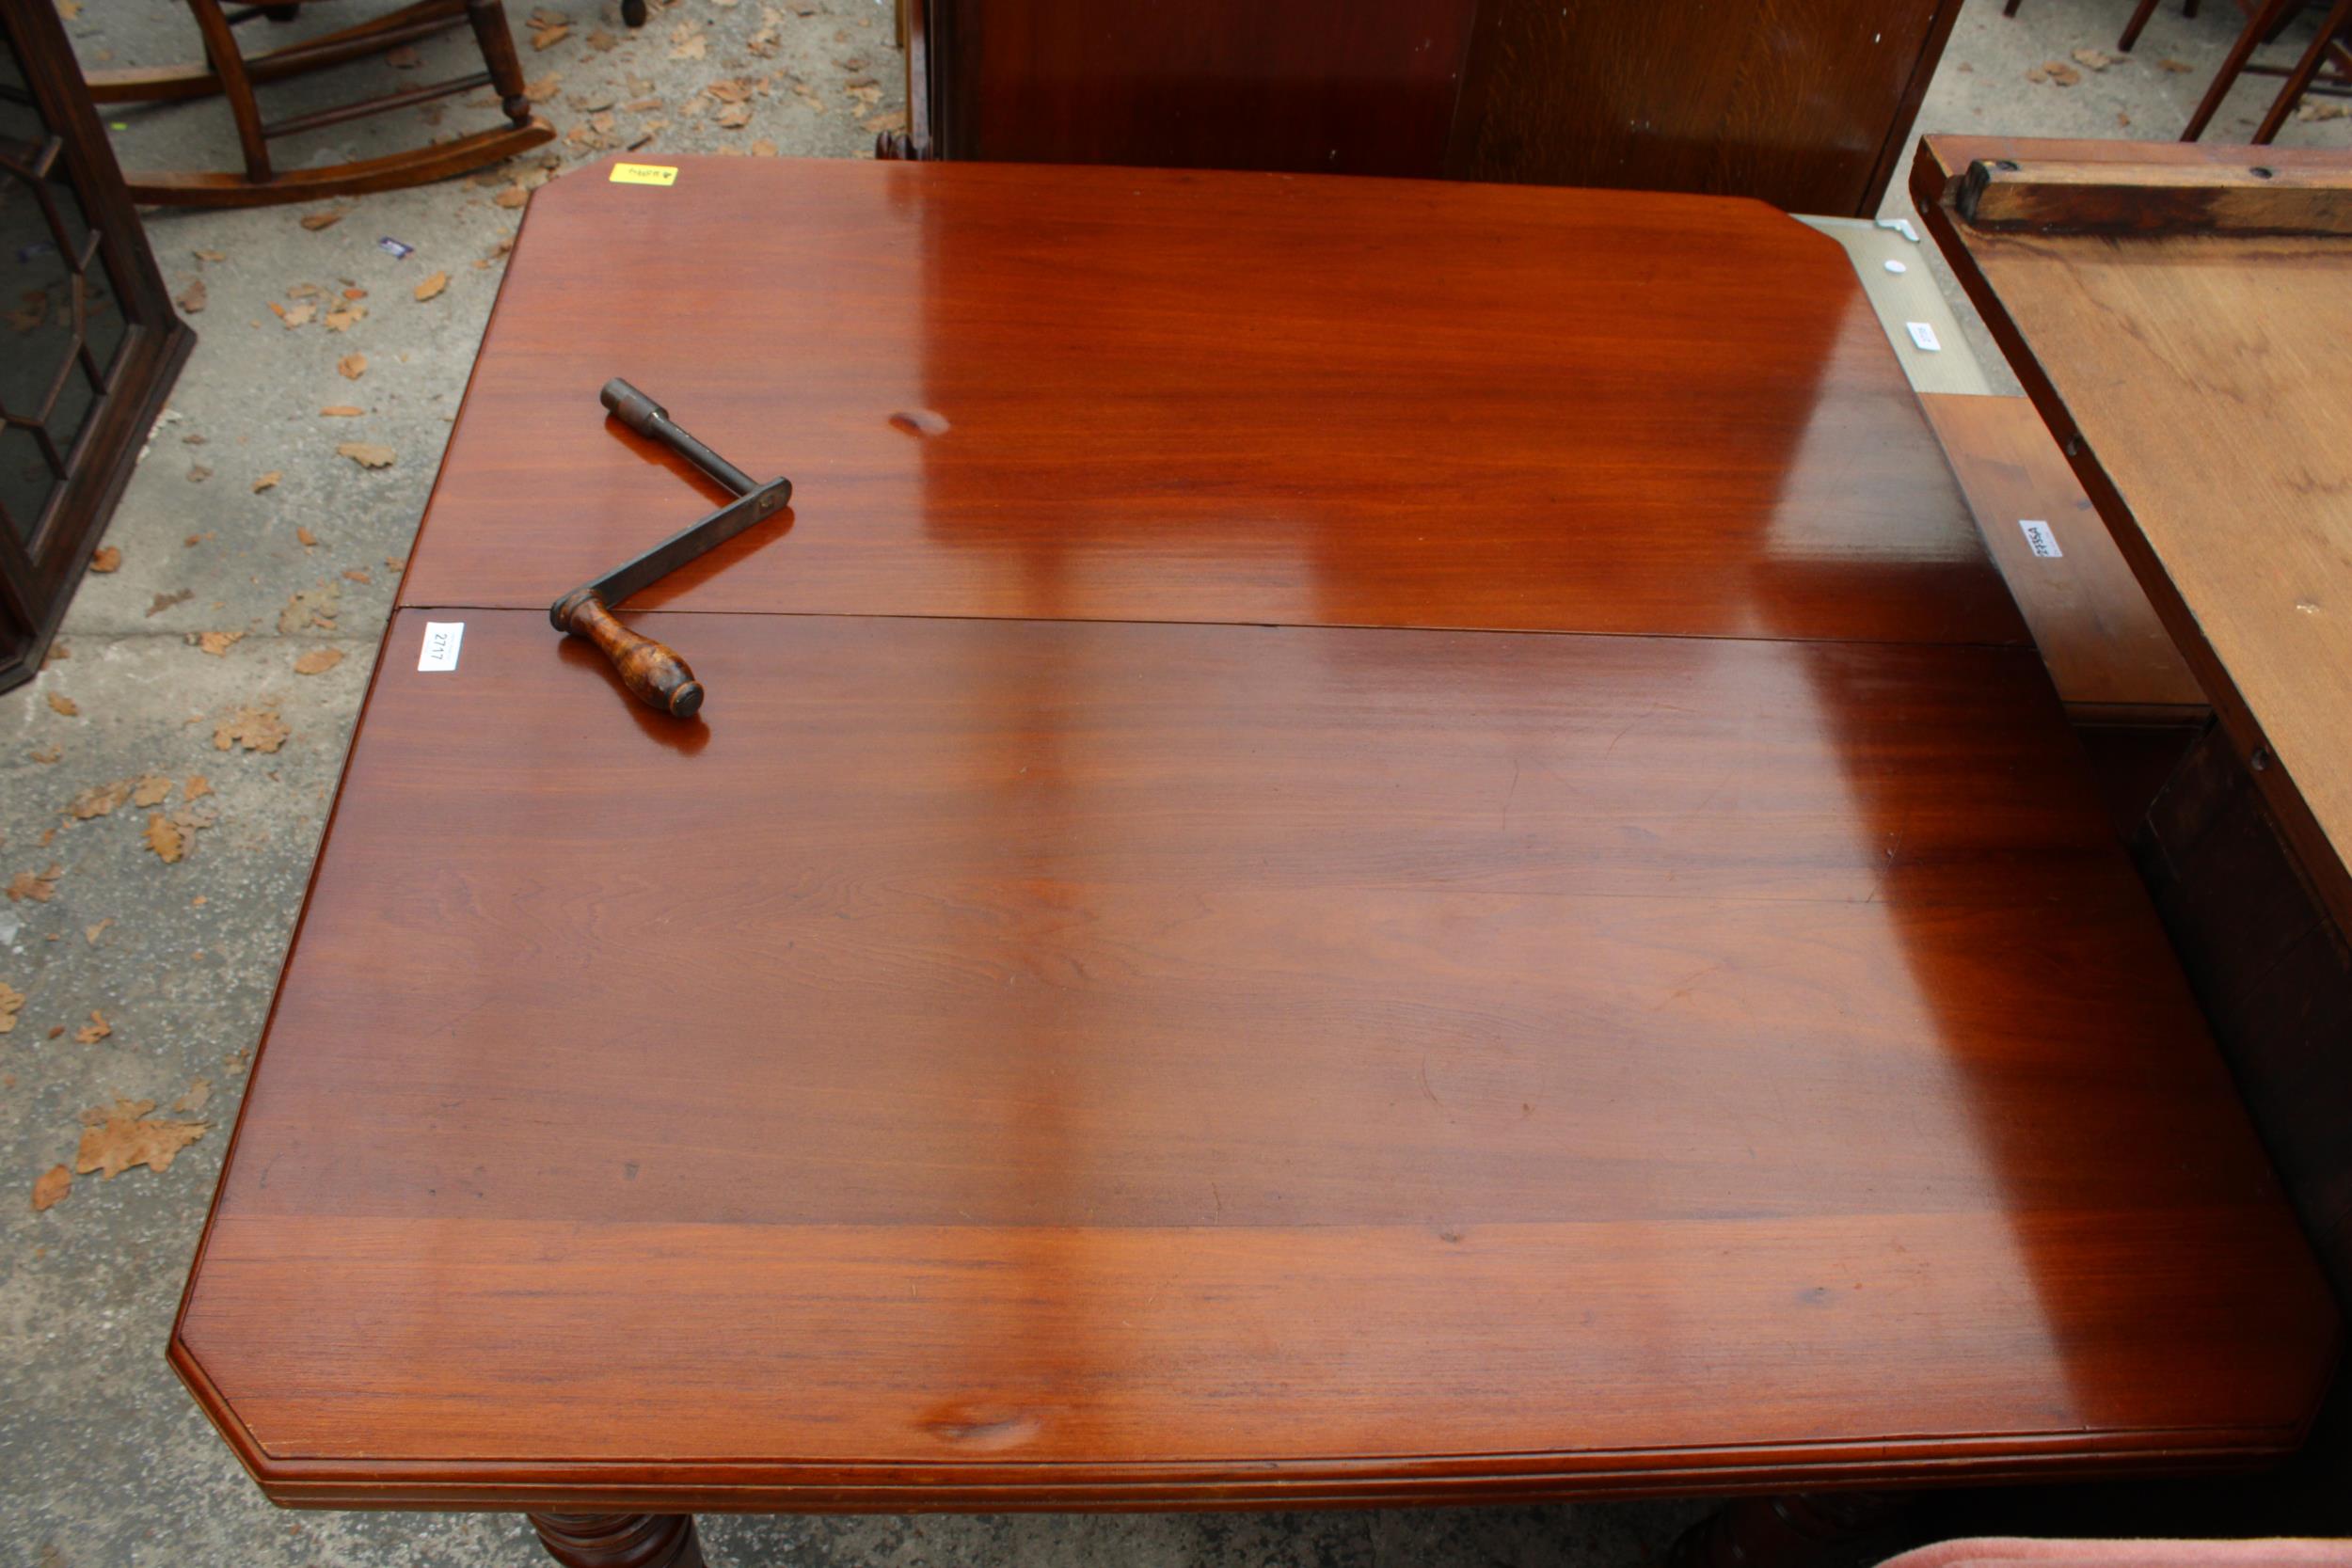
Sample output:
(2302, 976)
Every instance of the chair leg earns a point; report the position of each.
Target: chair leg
(2010, 8)
(220, 48)
(2231, 65)
(2131, 29)
(497, 52)
(2189, 11)
(2305, 68)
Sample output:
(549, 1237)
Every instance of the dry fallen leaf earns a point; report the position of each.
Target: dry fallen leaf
(2097, 60)
(353, 366)
(548, 38)
(2060, 72)
(296, 316)
(2176, 66)
(318, 661)
(734, 117)
(316, 221)
(432, 285)
(115, 1138)
(268, 480)
(544, 89)
(358, 574)
(2321, 111)
(312, 606)
(106, 560)
(341, 411)
(763, 148)
(601, 41)
(164, 601)
(196, 787)
(368, 454)
(200, 1090)
(64, 704)
(95, 1030)
(11, 1000)
(98, 800)
(153, 787)
(165, 838)
(342, 318)
(217, 643)
(53, 1184)
(191, 298)
(512, 198)
(255, 729)
(38, 886)
(198, 473)
(91, 933)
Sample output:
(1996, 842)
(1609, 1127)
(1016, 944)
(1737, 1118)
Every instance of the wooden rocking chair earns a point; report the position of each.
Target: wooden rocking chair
(233, 75)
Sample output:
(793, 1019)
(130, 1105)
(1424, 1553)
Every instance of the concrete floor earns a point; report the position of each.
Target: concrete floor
(104, 1462)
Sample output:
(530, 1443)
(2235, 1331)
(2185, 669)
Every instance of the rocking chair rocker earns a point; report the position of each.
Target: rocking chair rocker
(230, 72)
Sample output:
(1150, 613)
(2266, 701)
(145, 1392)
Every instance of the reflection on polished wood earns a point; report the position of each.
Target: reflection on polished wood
(1214, 397)
(1066, 1065)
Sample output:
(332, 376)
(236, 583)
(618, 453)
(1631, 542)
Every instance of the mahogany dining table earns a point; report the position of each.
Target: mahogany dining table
(1361, 842)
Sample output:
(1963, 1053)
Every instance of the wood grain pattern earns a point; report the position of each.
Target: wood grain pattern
(1322, 86)
(1803, 103)
(2110, 659)
(2101, 194)
(2197, 378)
(1113, 1065)
(1212, 397)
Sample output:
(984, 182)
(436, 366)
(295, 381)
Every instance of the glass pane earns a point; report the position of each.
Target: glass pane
(24, 479)
(72, 407)
(103, 328)
(36, 300)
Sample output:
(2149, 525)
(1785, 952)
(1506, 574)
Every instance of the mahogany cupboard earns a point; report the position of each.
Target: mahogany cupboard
(1805, 103)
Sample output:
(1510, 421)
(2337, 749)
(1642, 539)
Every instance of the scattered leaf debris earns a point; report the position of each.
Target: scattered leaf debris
(368, 454)
(352, 366)
(116, 1137)
(191, 302)
(318, 661)
(11, 1000)
(165, 838)
(98, 799)
(268, 480)
(91, 933)
(2175, 67)
(341, 411)
(2096, 60)
(107, 559)
(316, 221)
(432, 285)
(40, 886)
(95, 1030)
(200, 1090)
(53, 1184)
(255, 729)
(218, 643)
(196, 788)
(164, 601)
(65, 705)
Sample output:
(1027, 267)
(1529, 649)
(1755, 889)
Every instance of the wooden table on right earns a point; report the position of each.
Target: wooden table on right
(2179, 314)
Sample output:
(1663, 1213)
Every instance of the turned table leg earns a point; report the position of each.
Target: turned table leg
(620, 1540)
(1786, 1531)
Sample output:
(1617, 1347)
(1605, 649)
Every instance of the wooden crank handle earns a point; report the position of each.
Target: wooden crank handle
(652, 671)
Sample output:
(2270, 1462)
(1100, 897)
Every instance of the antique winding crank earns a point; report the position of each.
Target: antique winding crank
(652, 671)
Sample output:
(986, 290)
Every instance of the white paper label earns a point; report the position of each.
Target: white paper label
(441, 639)
(2039, 538)
(1924, 335)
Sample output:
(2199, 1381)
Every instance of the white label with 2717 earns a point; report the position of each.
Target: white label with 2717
(441, 639)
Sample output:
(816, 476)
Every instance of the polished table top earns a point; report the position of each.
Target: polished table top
(1149, 987)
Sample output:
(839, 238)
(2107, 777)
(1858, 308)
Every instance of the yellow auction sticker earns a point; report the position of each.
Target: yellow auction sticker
(643, 174)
